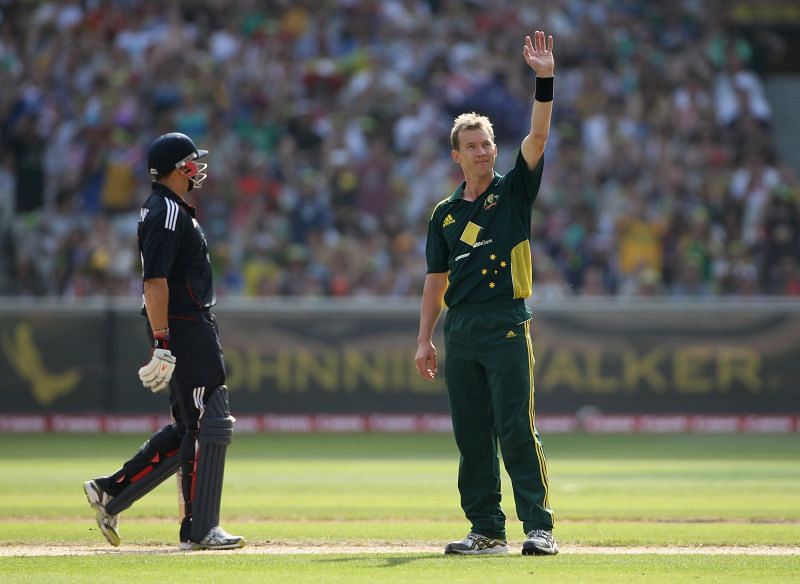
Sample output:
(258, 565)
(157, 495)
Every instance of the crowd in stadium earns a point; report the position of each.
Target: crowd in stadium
(328, 125)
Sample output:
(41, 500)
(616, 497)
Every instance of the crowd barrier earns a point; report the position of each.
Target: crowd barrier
(604, 365)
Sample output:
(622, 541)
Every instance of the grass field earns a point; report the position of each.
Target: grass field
(379, 507)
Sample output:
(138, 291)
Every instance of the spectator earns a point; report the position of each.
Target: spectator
(327, 120)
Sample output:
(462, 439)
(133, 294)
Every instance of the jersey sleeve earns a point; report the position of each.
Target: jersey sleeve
(525, 180)
(160, 234)
(436, 251)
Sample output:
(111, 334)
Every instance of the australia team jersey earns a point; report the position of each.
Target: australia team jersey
(485, 243)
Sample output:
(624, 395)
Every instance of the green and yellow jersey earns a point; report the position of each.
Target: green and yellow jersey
(485, 243)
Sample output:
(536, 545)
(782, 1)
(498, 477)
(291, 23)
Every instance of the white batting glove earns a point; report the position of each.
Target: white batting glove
(156, 374)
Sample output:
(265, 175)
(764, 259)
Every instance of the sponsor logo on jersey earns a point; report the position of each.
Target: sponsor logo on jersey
(448, 220)
(462, 256)
(142, 214)
(511, 334)
(491, 201)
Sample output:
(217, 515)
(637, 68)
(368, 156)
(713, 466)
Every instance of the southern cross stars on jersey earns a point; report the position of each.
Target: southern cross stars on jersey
(485, 243)
(172, 246)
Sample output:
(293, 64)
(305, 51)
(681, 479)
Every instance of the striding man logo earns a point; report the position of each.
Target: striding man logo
(27, 360)
(491, 201)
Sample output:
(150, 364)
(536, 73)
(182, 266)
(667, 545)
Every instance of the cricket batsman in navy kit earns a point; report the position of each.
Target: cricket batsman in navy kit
(186, 359)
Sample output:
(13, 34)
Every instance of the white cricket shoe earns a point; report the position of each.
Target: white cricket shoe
(475, 544)
(108, 524)
(216, 539)
(540, 542)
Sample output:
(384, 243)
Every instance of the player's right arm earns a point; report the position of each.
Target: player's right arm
(159, 235)
(430, 309)
(156, 299)
(159, 230)
(437, 255)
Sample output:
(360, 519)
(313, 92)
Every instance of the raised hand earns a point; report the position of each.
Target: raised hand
(538, 54)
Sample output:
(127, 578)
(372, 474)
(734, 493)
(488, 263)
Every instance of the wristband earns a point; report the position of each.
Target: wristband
(161, 339)
(544, 89)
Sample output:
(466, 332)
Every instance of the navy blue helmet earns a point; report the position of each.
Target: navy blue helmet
(176, 150)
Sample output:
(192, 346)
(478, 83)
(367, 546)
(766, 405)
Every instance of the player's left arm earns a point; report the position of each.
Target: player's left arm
(538, 54)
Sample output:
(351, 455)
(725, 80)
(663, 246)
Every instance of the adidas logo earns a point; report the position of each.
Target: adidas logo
(511, 334)
(448, 220)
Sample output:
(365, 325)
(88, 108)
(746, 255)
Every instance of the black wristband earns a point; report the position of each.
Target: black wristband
(544, 89)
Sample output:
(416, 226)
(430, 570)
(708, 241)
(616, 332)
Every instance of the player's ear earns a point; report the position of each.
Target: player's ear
(456, 156)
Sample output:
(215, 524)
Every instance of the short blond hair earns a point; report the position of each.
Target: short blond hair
(470, 121)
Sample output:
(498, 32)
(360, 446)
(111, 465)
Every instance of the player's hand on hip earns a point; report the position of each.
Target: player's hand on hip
(425, 360)
(156, 374)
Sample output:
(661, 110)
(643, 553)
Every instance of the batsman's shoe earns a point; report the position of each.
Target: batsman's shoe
(108, 524)
(475, 544)
(540, 542)
(217, 539)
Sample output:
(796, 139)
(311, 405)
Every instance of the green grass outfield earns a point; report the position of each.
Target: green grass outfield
(379, 507)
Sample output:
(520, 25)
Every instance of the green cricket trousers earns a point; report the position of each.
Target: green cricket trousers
(489, 377)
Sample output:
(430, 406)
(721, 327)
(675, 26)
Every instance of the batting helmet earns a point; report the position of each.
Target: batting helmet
(176, 150)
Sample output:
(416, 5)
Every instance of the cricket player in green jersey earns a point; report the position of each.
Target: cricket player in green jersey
(479, 266)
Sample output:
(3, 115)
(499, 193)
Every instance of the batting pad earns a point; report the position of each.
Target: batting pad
(213, 436)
